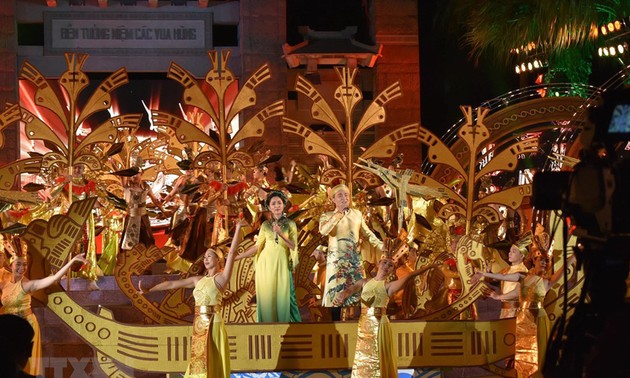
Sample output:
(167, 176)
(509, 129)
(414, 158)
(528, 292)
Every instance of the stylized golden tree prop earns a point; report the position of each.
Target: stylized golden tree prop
(74, 150)
(348, 95)
(467, 205)
(9, 172)
(476, 135)
(218, 146)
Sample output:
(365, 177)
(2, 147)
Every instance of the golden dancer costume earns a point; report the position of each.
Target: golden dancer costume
(532, 323)
(373, 356)
(82, 189)
(509, 307)
(111, 242)
(209, 355)
(16, 298)
(17, 302)
(137, 227)
(532, 326)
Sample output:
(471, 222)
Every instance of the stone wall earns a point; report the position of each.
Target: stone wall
(8, 77)
(397, 31)
(262, 33)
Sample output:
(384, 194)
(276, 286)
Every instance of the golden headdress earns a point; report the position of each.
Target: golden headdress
(15, 249)
(219, 253)
(395, 248)
(523, 243)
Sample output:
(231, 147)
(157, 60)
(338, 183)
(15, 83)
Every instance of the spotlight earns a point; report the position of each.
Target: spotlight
(530, 66)
(614, 51)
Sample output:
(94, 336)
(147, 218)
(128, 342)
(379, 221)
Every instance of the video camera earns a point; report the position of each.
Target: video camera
(593, 193)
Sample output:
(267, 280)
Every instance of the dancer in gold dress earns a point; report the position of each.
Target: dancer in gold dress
(82, 188)
(16, 300)
(137, 228)
(510, 303)
(532, 323)
(374, 356)
(209, 355)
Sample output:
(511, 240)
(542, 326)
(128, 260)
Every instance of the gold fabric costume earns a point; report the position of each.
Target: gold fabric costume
(509, 307)
(91, 270)
(532, 326)
(209, 354)
(137, 227)
(374, 357)
(18, 302)
(111, 241)
(5, 275)
(83, 189)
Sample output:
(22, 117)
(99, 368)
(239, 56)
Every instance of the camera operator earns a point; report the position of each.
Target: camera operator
(593, 196)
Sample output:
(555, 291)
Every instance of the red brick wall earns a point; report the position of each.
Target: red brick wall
(8, 77)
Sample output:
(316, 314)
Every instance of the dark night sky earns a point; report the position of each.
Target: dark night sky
(448, 77)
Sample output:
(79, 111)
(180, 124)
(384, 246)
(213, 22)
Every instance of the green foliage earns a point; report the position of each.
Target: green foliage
(564, 32)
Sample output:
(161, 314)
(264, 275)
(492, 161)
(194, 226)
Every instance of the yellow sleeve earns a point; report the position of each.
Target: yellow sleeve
(372, 238)
(328, 221)
(262, 237)
(294, 253)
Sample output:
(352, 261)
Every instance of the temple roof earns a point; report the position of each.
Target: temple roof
(331, 48)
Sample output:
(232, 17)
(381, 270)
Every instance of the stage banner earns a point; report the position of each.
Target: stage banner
(127, 33)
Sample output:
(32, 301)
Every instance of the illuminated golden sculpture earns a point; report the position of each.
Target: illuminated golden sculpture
(70, 150)
(220, 78)
(167, 337)
(348, 95)
(9, 172)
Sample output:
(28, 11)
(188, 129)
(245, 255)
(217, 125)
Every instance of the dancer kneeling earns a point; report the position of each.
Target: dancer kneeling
(209, 356)
(374, 351)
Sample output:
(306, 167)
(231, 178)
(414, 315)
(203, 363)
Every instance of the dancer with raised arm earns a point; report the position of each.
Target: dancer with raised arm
(374, 354)
(209, 355)
(16, 300)
(532, 323)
